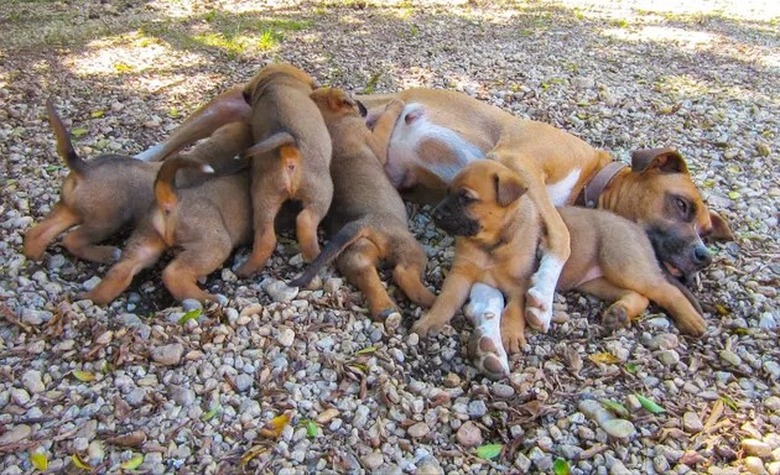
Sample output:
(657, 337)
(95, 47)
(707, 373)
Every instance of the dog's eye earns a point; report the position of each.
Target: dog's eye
(682, 205)
(464, 198)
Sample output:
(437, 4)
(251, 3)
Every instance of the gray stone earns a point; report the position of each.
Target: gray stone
(168, 355)
(477, 408)
(16, 434)
(191, 304)
(33, 382)
(373, 460)
(280, 292)
(469, 435)
(286, 337)
(692, 423)
(244, 382)
(757, 447)
(418, 430)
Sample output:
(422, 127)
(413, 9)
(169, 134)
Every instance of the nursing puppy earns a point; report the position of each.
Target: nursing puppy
(204, 222)
(282, 112)
(498, 230)
(367, 220)
(104, 195)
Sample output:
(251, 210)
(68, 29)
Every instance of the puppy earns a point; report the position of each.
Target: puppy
(282, 112)
(205, 222)
(498, 231)
(103, 195)
(367, 218)
(99, 196)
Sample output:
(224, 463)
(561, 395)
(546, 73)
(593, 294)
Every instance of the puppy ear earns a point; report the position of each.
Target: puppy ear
(247, 96)
(508, 189)
(720, 228)
(362, 109)
(667, 160)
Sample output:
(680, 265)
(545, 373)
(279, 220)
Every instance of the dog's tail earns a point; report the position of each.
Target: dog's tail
(164, 187)
(64, 145)
(348, 234)
(275, 141)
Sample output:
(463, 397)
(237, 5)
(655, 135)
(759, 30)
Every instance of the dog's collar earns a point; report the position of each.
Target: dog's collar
(589, 196)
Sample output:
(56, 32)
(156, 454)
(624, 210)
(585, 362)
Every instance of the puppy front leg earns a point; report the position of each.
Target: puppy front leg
(379, 140)
(513, 323)
(453, 294)
(485, 348)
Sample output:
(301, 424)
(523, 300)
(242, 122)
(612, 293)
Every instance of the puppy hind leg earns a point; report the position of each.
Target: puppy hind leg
(358, 264)
(81, 243)
(264, 239)
(60, 219)
(181, 275)
(408, 275)
(626, 304)
(140, 253)
(306, 231)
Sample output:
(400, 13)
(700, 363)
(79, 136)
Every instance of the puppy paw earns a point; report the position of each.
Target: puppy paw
(513, 337)
(693, 325)
(538, 309)
(426, 327)
(487, 355)
(615, 317)
(395, 104)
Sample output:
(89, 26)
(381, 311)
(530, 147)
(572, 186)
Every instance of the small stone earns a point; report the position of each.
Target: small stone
(477, 408)
(664, 341)
(429, 466)
(773, 368)
(373, 460)
(767, 321)
(452, 380)
(668, 357)
(618, 428)
(361, 417)
(168, 355)
(286, 337)
(91, 283)
(469, 435)
(280, 291)
(773, 468)
(730, 357)
(659, 323)
(32, 381)
(327, 415)
(418, 430)
(393, 322)
(189, 305)
(502, 390)
(692, 423)
(16, 434)
(332, 285)
(20, 396)
(772, 403)
(182, 395)
(244, 382)
(755, 466)
(757, 448)
(618, 468)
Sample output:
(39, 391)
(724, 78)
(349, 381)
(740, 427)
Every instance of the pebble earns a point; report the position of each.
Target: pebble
(286, 337)
(773, 368)
(767, 321)
(664, 341)
(757, 448)
(16, 434)
(772, 403)
(360, 419)
(773, 468)
(692, 423)
(477, 409)
(452, 380)
(326, 416)
(615, 427)
(91, 283)
(755, 466)
(168, 355)
(182, 395)
(618, 468)
(502, 390)
(279, 291)
(730, 357)
(429, 466)
(418, 430)
(373, 460)
(668, 357)
(189, 305)
(393, 322)
(659, 323)
(32, 381)
(244, 382)
(469, 435)
(20, 396)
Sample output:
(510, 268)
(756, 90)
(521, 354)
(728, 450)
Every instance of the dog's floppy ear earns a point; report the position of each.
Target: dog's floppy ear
(720, 228)
(508, 189)
(667, 160)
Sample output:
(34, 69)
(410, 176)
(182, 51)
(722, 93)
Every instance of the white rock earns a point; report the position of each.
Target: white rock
(168, 355)
(757, 448)
(280, 291)
(286, 337)
(755, 466)
(33, 382)
(418, 430)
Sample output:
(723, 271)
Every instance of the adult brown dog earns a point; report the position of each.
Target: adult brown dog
(204, 222)
(299, 170)
(367, 220)
(440, 132)
(497, 229)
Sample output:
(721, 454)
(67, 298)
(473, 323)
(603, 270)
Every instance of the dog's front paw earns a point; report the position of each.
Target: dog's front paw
(512, 336)
(395, 105)
(488, 355)
(693, 325)
(615, 317)
(538, 309)
(427, 326)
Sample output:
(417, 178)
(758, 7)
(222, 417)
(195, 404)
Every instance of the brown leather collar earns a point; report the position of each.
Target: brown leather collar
(589, 196)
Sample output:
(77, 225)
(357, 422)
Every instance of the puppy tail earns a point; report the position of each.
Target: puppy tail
(273, 142)
(64, 145)
(164, 187)
(348, 234)
(688, 295)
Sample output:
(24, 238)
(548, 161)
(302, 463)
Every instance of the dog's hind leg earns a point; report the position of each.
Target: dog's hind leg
(81, 243)
(140, 253)
(42, 234)
(358, 264)
(181, 275)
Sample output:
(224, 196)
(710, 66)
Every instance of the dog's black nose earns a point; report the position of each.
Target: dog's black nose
(701, 255)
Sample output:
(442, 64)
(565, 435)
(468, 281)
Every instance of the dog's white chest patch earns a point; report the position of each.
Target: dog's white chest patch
(559, 192)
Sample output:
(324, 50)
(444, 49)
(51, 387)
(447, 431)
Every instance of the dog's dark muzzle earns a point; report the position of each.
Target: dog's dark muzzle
(452, 218)
(681, 256)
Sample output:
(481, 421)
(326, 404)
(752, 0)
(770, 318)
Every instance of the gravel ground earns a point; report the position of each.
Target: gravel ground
(285, 382)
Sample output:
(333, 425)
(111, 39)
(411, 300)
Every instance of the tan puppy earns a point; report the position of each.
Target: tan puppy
(498, 230)
(299, 170)
(367, 220)
(205, 222)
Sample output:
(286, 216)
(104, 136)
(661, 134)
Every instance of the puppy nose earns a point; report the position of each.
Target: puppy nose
(701, 255)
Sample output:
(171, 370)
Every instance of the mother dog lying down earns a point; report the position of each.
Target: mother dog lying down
(440, 131)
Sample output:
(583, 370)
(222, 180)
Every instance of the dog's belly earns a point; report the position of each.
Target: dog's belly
(418, 143)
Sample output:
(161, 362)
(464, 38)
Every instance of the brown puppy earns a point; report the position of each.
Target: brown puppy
(367, 220)
(299, 170)
(99, 196)
(107, 193)
(498, 231)
(206, 222)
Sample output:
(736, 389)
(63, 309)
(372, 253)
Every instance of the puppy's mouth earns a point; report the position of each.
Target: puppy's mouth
(457, 225)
